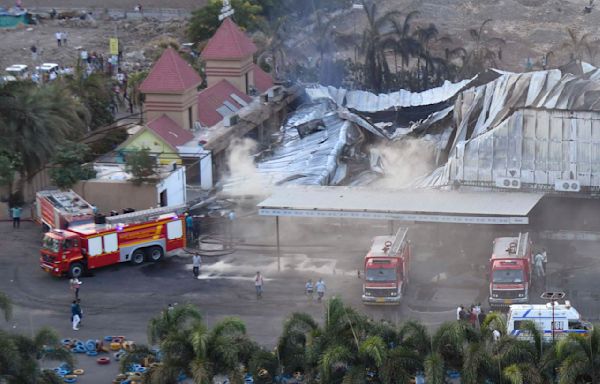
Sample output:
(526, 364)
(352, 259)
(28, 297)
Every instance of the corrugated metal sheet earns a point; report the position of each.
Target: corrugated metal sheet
(538, 127)
(364, 101)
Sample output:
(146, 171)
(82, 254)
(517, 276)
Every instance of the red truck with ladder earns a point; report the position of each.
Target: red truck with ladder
(386, 268)
(133, 237)
(511, 270)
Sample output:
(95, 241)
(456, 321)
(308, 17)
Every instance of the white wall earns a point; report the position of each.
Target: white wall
(175, 185)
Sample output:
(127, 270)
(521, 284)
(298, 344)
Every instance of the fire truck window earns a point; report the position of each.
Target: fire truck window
(174, 230)
(110, 242)
(68, 244)
(95, 246)
(51, 244)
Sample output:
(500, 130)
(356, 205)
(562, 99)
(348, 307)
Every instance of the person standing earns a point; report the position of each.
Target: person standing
(64, 37)
(459, 311)
(189, 226)
(258, 284)
(34, 55)
(75, 315)
(309, 287)
(58, 36)
(196, 264)
(75, 284)
(321, 287)
(15, 213)
(539, 265)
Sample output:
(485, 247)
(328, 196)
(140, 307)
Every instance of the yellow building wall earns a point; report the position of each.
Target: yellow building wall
(157, 146)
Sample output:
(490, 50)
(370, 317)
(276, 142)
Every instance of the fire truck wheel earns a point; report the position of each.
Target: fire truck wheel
(155, 254)
(138, 257)
(76, 270)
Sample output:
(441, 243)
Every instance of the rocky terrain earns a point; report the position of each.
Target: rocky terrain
(531, 28)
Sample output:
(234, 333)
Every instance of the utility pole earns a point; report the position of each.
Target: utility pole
(552, 297)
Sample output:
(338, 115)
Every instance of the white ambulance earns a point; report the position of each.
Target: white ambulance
(566, 320)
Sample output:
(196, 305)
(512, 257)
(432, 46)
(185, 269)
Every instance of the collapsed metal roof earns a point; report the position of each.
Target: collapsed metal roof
(535, 130)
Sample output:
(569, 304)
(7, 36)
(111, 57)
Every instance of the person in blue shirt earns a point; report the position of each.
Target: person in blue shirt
(189, 226)
(15, 213)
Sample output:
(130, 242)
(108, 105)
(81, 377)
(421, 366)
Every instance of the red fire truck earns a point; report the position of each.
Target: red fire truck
(386, 269)
(61, 209)
(510, 270)
(134, 237)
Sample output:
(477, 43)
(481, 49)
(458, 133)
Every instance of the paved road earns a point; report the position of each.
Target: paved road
(120, 300)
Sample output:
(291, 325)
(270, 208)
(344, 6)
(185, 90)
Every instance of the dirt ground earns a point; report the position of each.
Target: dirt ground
(531, 28)
(135, 37)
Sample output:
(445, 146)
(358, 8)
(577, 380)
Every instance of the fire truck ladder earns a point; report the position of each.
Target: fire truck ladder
(146, 214)
(522, 243)
(398, 241)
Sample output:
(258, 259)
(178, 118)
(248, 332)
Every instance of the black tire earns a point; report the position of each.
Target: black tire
(155, 253)
(137, 257)
(76, 270)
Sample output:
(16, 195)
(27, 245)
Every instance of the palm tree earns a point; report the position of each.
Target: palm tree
(374, 42)
(579, 358)
(273, 47)
(174, 320)
(20, 357)
(576, 46)
(35, 120)
(95, 94)
(485, 52)
(295, 341)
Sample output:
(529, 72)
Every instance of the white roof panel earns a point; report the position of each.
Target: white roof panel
(355, 199)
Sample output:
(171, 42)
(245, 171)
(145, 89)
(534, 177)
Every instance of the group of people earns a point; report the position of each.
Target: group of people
(474, 315)
(76, 311)
(319, 286)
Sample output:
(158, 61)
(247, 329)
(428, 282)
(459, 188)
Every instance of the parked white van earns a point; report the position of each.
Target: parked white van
(19, 71)
(566, 320)
(48, 67)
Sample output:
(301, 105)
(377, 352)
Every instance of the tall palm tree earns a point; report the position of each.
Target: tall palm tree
(95, 94)
(35, 120)
(576, 45)
(20, 357)
(273, 46)
(174, 320)
(374, 42)
(485, 52)
(579, 358)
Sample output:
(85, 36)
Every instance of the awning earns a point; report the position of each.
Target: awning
(403, 205)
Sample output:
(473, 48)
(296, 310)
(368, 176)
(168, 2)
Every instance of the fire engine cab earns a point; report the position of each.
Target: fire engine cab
(386, 269)
(134, 237)
(510, 270)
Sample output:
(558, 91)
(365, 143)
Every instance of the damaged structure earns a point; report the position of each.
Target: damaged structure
(535, 131)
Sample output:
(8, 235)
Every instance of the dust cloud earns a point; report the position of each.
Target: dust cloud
(404, 161)
(243, 178)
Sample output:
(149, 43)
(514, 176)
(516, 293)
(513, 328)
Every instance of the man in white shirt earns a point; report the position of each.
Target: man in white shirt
(58, 36)
(196, 263)
(458, 311)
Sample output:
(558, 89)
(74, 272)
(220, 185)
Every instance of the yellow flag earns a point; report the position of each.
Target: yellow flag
(114, 46)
